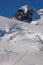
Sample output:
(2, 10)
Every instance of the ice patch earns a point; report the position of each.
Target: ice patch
(34, 22)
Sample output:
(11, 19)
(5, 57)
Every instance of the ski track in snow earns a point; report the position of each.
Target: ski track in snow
(21, 43)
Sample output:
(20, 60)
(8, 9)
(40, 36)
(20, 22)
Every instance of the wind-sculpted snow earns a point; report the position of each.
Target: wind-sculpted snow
(21, 43)
(41, 12)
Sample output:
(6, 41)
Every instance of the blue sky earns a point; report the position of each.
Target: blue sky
(9, 7)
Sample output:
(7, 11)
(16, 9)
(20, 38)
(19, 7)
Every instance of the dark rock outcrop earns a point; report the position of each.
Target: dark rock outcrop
(22, 15)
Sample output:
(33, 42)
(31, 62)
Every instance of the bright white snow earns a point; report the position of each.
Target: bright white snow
(21, 43)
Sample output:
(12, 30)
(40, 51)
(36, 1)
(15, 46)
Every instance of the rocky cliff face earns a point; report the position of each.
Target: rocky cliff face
(24, 13)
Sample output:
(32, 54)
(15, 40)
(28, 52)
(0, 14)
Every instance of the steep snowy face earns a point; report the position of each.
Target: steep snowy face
(21, 43)
(36, 15)
(19, 32)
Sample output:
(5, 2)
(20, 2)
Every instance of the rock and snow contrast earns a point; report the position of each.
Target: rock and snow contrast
(24, 13)
(21, 43)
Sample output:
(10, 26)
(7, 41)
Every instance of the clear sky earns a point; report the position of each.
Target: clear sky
(9, 7)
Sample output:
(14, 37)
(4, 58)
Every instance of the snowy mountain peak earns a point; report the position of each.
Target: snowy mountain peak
(25, 8)
(24, 13)
(27, 14)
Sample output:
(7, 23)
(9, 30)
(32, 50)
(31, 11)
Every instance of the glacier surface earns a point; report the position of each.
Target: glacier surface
(21, 43)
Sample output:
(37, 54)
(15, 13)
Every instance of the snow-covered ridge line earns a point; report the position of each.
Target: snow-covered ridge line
(21, 43)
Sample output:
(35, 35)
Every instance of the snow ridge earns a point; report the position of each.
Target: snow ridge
(21, 43)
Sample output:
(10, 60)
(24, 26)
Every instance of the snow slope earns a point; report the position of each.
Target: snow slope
(21, 43)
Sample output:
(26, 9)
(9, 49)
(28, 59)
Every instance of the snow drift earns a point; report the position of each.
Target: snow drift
(21, 43)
